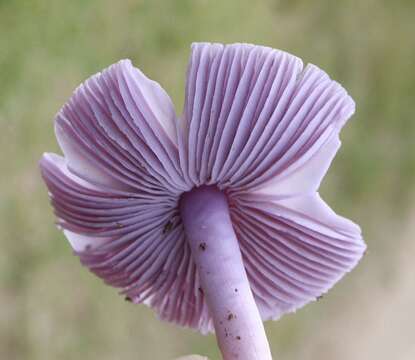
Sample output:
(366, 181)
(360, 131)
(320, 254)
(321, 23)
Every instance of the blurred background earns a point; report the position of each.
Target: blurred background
(52, 308)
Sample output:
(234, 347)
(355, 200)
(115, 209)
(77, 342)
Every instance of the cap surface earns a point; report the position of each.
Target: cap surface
(256, 124)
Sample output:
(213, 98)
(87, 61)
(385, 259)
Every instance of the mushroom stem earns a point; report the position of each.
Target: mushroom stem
(239, 329)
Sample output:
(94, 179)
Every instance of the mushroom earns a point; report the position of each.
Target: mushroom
(214, 219)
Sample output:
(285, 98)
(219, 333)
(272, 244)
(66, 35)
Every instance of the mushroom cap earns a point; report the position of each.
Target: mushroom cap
(257, 125)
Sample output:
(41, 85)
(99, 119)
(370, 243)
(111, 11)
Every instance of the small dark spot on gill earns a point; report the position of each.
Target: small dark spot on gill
(167, 228)
(127, 298)
(202, 246)
(88, 247)
(231, 316)
(201, 290)
(236, 290)
(238, 338)
(119, 225)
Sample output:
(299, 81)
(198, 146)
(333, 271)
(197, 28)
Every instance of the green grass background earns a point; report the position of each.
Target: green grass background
(51, 308)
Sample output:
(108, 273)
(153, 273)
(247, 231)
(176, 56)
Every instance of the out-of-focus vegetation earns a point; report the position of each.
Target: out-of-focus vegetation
(51, 308)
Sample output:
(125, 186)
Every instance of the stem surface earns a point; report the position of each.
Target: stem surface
(239, 329)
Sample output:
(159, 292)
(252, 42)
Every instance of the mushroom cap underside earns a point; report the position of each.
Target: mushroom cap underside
(256, 124)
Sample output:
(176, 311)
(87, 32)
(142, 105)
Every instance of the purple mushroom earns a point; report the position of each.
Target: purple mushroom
(212, 219)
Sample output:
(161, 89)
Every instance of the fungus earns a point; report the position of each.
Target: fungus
(212, 219)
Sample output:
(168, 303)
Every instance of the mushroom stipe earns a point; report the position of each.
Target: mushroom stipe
(212, 218)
